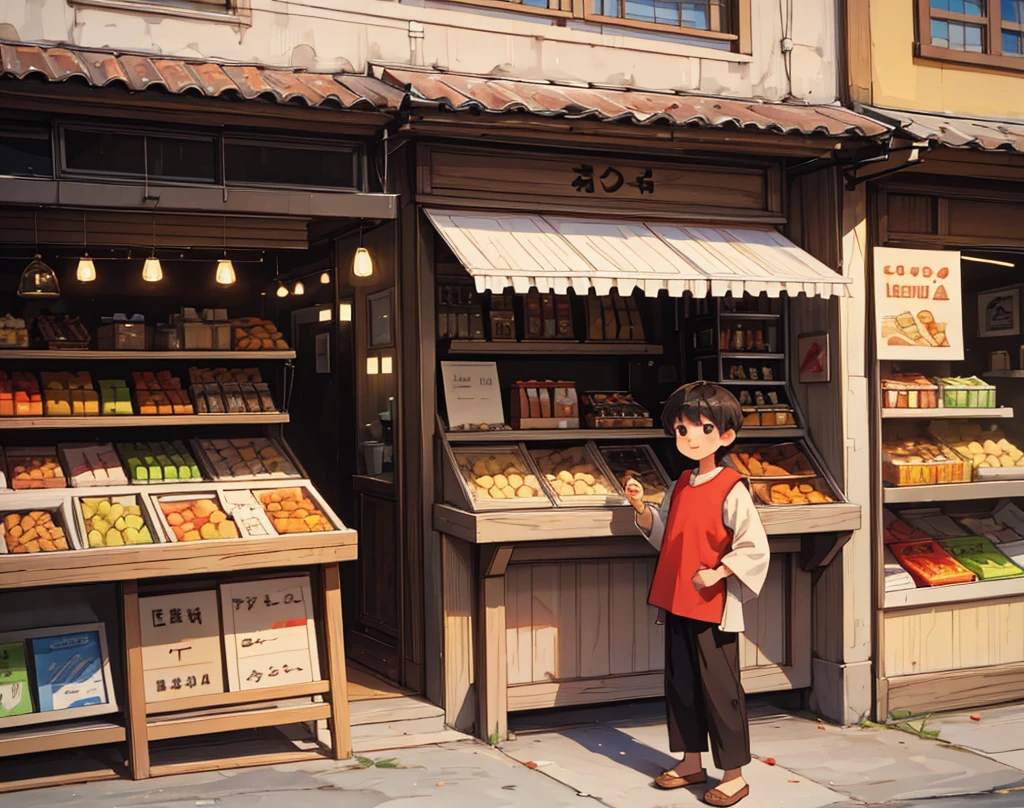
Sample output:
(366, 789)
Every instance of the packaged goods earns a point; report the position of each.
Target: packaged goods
(982, 558)
(255, 334)
(930, 564)
(909, 391)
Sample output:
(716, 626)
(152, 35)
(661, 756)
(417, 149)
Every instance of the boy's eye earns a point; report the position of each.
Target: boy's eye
(681, 431)
(709, 428)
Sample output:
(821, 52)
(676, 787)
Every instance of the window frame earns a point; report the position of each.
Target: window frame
(738, 12)
(992, 41)
(354, 150)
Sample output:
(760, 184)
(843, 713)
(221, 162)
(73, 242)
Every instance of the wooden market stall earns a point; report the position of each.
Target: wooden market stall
(615, 299)
(948, 628)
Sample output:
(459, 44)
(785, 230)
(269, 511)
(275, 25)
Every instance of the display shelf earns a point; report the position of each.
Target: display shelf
(140, 562)
(947, 412)
(990, 489)
(1003, 374)
(529, 435)
(504, 527)
(125, 421)
(555, 347)
(954, 593)
(232, 719)
(751, 355)
(216, 700)
(739, 315)
(749, 383)
(126, 356)
(57, 735)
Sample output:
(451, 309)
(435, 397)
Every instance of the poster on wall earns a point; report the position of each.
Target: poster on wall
(999, 312)
(918, 305)
(181, 645)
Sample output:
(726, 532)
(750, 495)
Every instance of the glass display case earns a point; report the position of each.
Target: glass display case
(499, 477)
(575, 475)
(637, 461)
(783, 474)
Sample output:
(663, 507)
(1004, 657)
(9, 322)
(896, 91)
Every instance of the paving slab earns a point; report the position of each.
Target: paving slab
(1001, 729)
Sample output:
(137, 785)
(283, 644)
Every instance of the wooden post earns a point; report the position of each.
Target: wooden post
(493, 695)
(135, 714)
(341, 730)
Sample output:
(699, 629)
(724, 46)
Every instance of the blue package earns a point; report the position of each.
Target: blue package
(69, 670)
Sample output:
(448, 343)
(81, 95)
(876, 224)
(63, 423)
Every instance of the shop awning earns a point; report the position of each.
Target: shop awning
(956, 133)
(503, 250)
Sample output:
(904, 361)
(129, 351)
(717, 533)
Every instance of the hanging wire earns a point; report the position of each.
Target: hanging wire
(35, 227)
(85, 232)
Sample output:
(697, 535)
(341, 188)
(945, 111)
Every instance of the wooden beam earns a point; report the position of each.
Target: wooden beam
(135, 684)
(858, 50)
(341, 731)
(460, 623)
(955, 689)
(494, 561)
(240, 697)
(492, 684)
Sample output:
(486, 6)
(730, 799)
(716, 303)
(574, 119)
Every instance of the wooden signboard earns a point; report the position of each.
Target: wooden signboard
(472, 394)
(181, 645)
(269, 633)
(918, 307)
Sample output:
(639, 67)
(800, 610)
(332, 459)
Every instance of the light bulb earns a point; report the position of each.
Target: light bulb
(152, 271)
(282, 290)
(86, 271)
(300, 288)
(325, 277)
(362, 264)
(345, 312)
(372, 366)
(225, 272)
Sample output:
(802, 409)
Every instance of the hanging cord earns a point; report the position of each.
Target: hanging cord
(786, 20)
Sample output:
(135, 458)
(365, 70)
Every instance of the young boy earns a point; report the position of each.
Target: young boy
(713, 556)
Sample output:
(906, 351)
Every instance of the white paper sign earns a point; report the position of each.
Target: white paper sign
(269, 633)
(472, 394)
(918, 306)
(182, 654)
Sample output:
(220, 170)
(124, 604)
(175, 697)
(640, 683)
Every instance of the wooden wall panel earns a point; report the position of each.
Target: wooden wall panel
(911, 214)
(459, 585)
(953, 637)
(595, 657)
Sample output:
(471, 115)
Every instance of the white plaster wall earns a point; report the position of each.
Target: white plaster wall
(334, 34)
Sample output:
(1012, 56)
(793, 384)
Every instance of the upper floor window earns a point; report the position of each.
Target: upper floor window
(714, 20)
(982, 32)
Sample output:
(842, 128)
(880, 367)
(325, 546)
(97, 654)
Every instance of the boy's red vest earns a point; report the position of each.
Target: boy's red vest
(695, 539)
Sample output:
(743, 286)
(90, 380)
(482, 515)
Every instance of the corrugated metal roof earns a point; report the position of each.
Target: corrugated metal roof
(100, 68)
(463, 92)
(957, 133)
(503, 250)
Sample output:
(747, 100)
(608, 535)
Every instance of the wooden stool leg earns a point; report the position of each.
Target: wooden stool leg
(135, 712)
(341, 731)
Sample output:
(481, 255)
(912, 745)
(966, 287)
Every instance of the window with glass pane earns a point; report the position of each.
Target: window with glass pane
(251, 163)
(700, 15)
(960, 28)
(25, 153)
(128, 154)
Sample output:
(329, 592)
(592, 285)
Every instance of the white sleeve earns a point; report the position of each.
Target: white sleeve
(750, 554)
(659, 516)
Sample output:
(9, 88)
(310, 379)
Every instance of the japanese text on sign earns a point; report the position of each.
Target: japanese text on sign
(611, 180)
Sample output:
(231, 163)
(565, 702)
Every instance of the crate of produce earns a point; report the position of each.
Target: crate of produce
(909, 391)
(35, 467)
(114, 521)
(638, 462)
(930, 564)
(44, 527)
(970, 392)
(195, 517)
(982, 558)
(922, 461)
(992, 455)
(575, 475)
(491, 478)
(296, 509)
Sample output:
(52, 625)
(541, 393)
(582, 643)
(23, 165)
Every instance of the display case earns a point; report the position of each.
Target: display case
(490, 478)
(576, 476)
(783, 475)
(988, 450)
(638, 462)
(913, 458)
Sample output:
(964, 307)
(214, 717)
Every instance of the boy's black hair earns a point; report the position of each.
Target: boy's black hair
(693, 400)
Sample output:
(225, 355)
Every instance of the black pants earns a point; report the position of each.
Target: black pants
(703, 691)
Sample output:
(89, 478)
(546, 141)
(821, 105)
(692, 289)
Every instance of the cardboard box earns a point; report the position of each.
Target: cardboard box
(198, 336)
(124, 337)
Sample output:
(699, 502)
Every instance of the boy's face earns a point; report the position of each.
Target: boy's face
(697, 441)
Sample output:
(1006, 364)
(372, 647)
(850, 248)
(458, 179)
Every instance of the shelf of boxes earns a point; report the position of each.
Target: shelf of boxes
(980, 489)
(947, 412)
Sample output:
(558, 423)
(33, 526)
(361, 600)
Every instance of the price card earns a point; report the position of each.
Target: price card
(181, 645)
(269, 633)
(472, 394)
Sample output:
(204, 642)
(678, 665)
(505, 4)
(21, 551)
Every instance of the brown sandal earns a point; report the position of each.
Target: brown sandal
(723, 800)
(670, 779)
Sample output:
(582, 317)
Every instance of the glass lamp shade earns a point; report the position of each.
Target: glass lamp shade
(325, 277)
(225, 272)
(300, 288)
(86, 271)
(362, 264)
(152, 271)
(38, 280)
(282, 290)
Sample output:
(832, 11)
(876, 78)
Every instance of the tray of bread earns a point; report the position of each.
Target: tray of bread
(638, 462)
(991, 453)
(810, 491)
(498, 478)
(922, 460)
(575, 475)
(783, 461)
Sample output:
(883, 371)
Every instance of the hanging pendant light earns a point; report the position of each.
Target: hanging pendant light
(300, 288)
(86, 270)
(152, 272)
(282, 290)
(225, 272)
(362, 263)
(37, 279)
(325, 277)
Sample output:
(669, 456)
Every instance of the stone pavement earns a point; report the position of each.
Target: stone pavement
(607, 757)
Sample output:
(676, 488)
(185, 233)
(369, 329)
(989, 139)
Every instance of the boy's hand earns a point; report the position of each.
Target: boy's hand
(705, 578)
(635, 493)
